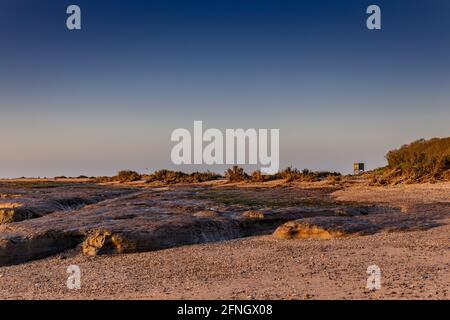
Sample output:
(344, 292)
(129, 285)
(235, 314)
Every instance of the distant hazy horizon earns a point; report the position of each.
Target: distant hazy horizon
(107, 97)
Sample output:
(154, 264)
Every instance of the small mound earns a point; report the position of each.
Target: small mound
(322, 228)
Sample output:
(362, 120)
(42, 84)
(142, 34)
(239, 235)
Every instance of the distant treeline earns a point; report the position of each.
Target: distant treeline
(420, 161)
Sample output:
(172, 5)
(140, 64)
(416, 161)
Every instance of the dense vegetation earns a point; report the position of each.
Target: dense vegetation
(419, 161)
(169, 176)
(166, 176)
(293, 174)
(233, 174)
(128, 176)
(236, 174)
(289, 174)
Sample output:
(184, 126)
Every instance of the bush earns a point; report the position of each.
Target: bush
(168, 176)
(333, 179)
(128, 176)
(420, 161)
(292, 174)
(257, 176)
(236, 174)
(204, 176)
(103, 179)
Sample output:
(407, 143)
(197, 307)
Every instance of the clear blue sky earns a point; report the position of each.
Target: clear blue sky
(108, 97)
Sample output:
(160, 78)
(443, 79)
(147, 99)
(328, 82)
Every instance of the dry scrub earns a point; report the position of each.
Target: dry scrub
(419, 161)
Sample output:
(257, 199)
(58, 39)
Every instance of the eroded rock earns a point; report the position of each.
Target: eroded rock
(21, 247)
(253, 214)
(206, 214)
(102, 241)
(34, 205)
(149, 219)
(323, 228)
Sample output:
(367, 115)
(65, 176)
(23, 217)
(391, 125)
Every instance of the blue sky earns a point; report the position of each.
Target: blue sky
(107, 97)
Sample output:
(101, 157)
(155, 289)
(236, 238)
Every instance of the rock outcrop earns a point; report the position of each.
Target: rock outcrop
(154, 219)
(33, 205)
(323, 228)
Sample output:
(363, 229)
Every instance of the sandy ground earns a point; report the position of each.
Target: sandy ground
(414, 264)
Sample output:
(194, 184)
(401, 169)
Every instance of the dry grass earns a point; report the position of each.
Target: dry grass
(236, 174)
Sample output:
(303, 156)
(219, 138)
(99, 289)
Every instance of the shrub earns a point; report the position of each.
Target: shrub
(257, 176)
(236, 174)
(169, 176)
(333, 179)
(103, 179)
(204, 176)
(128, 176)
(420, 161)
(292, 174)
